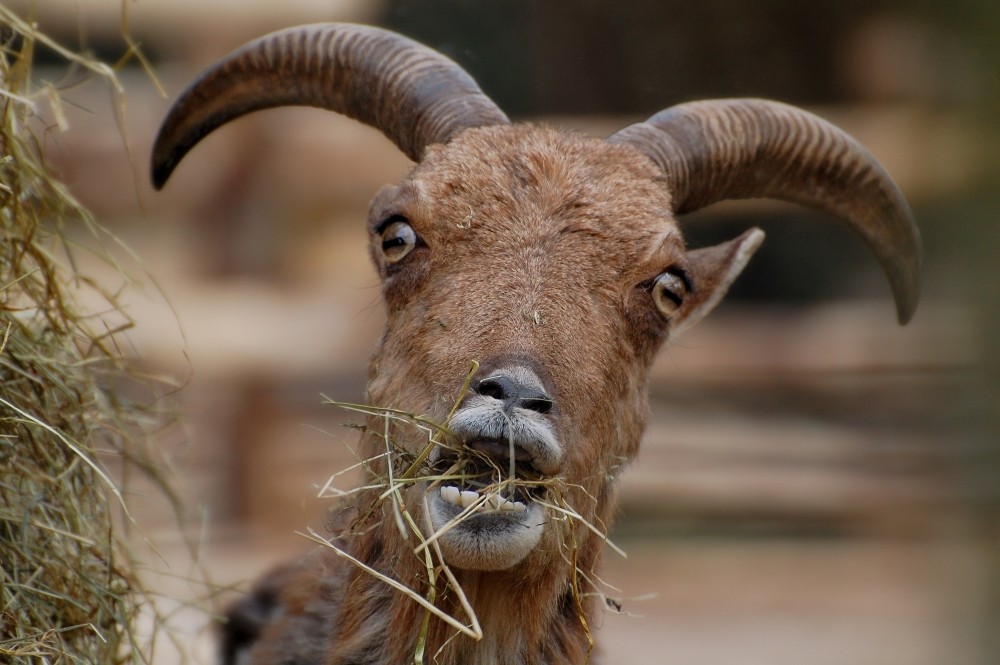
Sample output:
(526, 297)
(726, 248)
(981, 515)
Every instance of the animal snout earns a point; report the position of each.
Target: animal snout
(516, 388)
(511, 415)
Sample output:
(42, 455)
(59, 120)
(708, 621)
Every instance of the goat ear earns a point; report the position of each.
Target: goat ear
(713, 270)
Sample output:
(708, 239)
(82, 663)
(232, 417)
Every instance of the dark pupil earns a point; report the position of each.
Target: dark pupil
(671, 295)
(393, 242)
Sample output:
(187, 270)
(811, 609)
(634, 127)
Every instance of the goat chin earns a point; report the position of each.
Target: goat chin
(489, 541)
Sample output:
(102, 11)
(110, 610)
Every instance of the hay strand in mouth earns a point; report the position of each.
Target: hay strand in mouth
(397, 469)
(392, 484)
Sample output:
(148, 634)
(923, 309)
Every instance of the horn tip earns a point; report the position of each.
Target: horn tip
(907, 293)
(159, 176)
(906, 280)
(161, 167)
(906, 307)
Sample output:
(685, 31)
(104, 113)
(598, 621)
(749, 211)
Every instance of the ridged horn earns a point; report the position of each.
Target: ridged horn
(413, 94)
(754, 148)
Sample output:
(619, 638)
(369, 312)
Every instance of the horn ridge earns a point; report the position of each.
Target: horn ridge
(413, 94)
(754, 148)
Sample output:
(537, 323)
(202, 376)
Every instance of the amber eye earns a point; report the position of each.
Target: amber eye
(398, 240)
(668, 291)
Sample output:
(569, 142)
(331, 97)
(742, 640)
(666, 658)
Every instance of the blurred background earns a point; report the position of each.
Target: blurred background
(817, 485)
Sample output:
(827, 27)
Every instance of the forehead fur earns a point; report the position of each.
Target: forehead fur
(561, 176)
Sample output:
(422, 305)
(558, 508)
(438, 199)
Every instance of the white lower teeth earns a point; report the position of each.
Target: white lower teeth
(515, 506)
(450, 494)
(464, 499)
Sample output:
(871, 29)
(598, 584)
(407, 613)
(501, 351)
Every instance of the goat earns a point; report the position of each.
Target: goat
(556, 262)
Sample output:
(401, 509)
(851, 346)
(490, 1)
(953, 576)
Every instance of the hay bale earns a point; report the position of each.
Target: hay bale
(67, 589)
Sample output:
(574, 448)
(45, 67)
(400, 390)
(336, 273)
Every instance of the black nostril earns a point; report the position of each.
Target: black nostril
(540, 404)
(498, 387)
(515, 394)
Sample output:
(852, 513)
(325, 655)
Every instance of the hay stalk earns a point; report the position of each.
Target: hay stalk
(68, 593)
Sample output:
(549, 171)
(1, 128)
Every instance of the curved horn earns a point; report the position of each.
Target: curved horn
(415, 95)
(750, 148)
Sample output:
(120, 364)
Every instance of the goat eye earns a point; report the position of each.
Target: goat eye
(398, 240)
(668, 291)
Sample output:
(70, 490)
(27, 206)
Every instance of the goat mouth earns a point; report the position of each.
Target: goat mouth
(485, 501)
(486, 474)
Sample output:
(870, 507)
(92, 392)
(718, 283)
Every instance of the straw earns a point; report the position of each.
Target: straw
(69, 592)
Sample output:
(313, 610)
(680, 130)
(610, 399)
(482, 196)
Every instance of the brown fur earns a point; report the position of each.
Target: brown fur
(537, 246)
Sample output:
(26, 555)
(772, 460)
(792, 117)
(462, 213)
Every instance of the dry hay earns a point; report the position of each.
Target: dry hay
(389, 474)
(69, 591)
